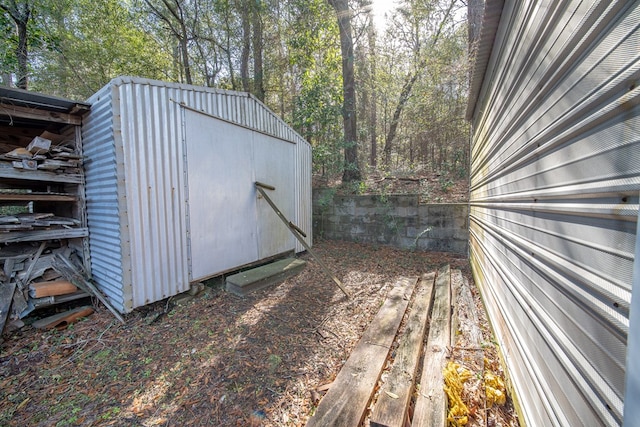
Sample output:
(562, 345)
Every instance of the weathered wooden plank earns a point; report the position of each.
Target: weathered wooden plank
(49, 116)
(430, 407)
(346, 401)
(6, 297)
(38, 197)
(62, 320)
(9, 172)
(466, 336)
(53, 288)
(395, 393)
(32, 236)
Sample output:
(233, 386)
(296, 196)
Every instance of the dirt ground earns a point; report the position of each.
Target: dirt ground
(213, 359)
(217, 359)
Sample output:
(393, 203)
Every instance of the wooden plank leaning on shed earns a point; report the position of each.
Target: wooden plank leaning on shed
(346, 402)
(431, 402)
(391, 408)
(298, 234)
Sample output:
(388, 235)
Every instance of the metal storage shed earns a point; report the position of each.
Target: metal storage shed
(170, 170)
(555, 178)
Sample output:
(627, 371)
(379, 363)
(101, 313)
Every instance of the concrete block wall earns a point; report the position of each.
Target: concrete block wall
(397, 220)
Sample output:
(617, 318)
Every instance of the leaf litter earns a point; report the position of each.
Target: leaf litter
(220, 360)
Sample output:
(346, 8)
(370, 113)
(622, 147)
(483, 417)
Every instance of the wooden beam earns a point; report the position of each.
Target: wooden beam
(431, 402)
(346, 402)
(395, 394)
(35, 114)
(38, 197)
(300, 236)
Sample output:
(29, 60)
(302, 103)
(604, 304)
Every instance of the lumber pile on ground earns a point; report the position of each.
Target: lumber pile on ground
(394, 376)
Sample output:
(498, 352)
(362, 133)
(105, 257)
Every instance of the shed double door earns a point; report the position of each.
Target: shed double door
(229, 226)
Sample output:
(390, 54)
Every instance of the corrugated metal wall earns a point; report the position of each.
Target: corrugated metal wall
(554, 200)
(136, 185)
(103, 211)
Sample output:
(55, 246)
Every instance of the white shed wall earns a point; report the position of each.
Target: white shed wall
(137, 178)
(555, 176)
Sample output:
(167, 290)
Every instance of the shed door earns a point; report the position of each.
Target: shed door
(228, 226)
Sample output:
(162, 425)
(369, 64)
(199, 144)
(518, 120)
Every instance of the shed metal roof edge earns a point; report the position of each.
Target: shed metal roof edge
(490, 22)
(122, 80)
(41, 101)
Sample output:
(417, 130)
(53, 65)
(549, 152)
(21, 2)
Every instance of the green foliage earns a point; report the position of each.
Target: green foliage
(91, 42)
(76, 46)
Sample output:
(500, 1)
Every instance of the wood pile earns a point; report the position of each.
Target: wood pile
(40, 221)
(30, 280)
(40, 154)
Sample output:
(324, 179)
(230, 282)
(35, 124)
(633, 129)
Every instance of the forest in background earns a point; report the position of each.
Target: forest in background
(372, 100)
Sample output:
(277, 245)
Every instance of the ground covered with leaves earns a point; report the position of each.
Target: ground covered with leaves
(217, 359)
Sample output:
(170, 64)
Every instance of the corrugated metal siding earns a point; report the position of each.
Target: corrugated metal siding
(103, 212)
(554, 202)
(144, 136)
(632, 383)
(303, 194)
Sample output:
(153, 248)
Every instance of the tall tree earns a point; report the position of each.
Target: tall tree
(257, 42)
(20, 12)
(351, 168)
(174, 15)
(416, 15)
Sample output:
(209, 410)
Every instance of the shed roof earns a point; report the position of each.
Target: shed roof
(25, 98)
(490, 22)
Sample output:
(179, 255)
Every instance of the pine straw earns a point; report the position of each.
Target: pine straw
(214, 360)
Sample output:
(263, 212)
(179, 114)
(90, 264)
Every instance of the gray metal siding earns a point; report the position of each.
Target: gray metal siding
(554, 202)
(101, 190)
(138, 171)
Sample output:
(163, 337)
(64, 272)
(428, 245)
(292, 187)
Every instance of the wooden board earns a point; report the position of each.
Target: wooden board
(53, 288)
(38, 235)
(396, 391)
(62, 320)
(9, 172)
(6, 297)
(431, 405)
(38, 197)
(466, 337)
(346, 401)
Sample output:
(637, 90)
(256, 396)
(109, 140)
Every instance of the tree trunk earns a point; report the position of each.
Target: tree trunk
(246, 45)
(351, 169)
(374, 98)
(393, 127)
(20, 14)
(258, 72)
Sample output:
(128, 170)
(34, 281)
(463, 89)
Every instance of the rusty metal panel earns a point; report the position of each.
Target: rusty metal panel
(555, 176)
(143, 238)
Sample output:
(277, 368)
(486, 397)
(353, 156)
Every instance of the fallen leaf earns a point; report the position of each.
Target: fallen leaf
(391, 395)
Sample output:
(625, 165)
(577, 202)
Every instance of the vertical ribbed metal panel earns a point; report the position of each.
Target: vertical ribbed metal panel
(139, 181)
(102, 190)
(632, 383)
(555, 177)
